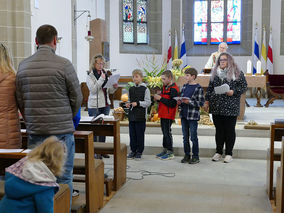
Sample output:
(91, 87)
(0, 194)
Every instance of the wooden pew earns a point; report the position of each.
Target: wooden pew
(117, 149)
(61, 198)
(276, 133)
(280, 183)
(275, 87)
(92, 200)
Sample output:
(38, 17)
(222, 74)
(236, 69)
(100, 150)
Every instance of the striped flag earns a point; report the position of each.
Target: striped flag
(183, 51)
(256, 50)
(270, 55)
(176, 47)
(169, 58)
(263, 52)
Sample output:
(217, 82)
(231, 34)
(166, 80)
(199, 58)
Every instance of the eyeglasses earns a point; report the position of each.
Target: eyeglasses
(102, 64)
(223, 60)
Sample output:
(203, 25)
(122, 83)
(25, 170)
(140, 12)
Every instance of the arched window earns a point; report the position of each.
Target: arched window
(134, 16)
(216, 21)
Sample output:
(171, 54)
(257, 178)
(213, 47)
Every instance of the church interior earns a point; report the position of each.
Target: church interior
(143, 39)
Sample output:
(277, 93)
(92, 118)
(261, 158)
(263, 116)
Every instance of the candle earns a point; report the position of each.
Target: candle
(249, 67)
(258, 67)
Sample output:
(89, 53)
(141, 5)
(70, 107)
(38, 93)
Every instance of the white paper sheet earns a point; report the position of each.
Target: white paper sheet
(11, 150)
(26, 151)
(180, 98)
(222, 89)
(113, 79)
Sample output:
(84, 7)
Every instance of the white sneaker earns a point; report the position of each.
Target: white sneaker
(228, 159)
(216, 157)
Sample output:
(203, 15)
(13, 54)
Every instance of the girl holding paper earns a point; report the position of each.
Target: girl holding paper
(225, 107)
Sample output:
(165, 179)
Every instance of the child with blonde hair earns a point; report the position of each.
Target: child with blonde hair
(30, 184)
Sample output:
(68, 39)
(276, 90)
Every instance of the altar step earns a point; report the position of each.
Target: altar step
(252, 147)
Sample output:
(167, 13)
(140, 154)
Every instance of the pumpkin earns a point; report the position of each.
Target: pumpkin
(124, 98)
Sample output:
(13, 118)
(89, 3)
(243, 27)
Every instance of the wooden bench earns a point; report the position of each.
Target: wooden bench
(280, 183)
(92, 199)
(276, 134)
(117, 149)
(275, 87)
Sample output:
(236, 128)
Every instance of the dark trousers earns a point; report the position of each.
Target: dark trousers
(94, 112)
(137, 136)
(167, 133)
(225, 133)
(190, 126)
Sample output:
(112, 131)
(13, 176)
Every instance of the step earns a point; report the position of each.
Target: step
(245, 147)
(203, 131)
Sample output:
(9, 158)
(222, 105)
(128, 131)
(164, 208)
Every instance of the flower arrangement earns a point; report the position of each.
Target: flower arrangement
(176, 70)
(153, 71)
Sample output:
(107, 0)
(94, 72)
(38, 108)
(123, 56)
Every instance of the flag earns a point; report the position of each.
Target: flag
(263, 53)
(176, 47)
(256, 51)
(270, 55)
(169, 58)
(183, 51)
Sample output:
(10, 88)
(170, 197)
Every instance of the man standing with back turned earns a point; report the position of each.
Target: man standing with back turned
(49, 96)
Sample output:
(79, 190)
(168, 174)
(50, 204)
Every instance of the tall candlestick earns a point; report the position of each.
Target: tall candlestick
(249, 67)
(258, 67)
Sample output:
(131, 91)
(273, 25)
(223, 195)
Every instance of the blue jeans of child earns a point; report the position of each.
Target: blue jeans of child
(190, 126)
(95, 112)
(69, 141)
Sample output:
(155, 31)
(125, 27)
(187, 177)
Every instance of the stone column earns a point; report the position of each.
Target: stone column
(15, 28)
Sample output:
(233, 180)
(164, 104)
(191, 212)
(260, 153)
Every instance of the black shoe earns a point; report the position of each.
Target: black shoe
(185, 159)
(105, 156)
(194, 160)
(131, 155)
(138, 156)
(98, 156)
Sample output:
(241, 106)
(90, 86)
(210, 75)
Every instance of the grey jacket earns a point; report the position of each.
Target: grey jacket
(48, 93)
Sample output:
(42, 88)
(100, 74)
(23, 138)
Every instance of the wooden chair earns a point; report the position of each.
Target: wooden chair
(276, 134)
(280, 183)
(117, 149)
(275, 87)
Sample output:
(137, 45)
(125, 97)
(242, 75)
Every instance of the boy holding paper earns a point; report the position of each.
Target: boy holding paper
(192, 99)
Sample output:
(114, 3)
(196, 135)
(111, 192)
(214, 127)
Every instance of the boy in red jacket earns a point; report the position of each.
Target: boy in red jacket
(167, 111)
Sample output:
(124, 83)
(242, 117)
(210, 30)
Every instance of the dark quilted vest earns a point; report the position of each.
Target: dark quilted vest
(137, 94)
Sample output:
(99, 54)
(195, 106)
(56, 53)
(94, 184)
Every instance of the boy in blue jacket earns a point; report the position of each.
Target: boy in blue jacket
(190, 115)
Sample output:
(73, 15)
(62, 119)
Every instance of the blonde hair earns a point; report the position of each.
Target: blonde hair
(94, 60)
(52, 153)
(6, 62)
(137, 72)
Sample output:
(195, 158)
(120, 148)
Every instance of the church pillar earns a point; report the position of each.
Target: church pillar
(15, 28)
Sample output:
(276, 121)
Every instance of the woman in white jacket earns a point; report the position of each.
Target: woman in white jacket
(98, 101)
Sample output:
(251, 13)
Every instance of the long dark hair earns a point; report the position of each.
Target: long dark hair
(233, 68)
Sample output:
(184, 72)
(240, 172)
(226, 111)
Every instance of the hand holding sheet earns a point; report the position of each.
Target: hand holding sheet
(224, 88)
(113, 79)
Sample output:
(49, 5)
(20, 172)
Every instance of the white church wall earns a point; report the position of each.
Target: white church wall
(125, 63)
(97, 10)
(52, 12)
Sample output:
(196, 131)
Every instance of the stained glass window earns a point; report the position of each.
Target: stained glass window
(135, 21)
(221, 25)
(141, 21)
(234, 21)
(200, 22)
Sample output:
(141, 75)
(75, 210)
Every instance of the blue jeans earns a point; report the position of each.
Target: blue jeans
(69, 141)
(190, 125)
(95, 112)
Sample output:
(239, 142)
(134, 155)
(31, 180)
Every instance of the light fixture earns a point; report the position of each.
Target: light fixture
(89, 36)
